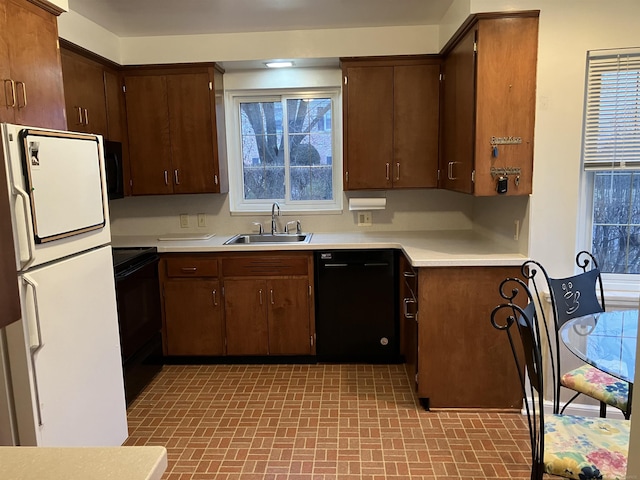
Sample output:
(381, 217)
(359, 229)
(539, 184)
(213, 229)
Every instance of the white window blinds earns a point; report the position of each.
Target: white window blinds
(612, 116)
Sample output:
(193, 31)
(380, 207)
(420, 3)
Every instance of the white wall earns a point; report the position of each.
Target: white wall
(81, 31)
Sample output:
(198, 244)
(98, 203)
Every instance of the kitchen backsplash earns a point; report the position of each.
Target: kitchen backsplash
(406, 210)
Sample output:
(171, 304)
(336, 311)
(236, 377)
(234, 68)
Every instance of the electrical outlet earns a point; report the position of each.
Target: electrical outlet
(184, 220)
(364, 219)
(202, 220)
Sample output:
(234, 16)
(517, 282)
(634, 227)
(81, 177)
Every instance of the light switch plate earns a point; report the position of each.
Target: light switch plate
(202, 220)
(184, 220)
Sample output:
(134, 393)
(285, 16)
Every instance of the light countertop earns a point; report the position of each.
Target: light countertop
(423, 249)
(82, 463)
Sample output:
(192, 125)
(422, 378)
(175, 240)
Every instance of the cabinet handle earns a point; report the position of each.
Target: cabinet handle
(450, 171)
(215, 300)
(79, 115)
(175, 175)
(13, 91)
(387, 174)
(24, 94)
(398, 171)
(272, 302)
(260, 291)
(166, 178)
(408, 275)
(86, 117)
(406, 302)
(189, 269)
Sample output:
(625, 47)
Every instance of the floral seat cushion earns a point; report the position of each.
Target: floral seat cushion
(585, 448)
(599, 385)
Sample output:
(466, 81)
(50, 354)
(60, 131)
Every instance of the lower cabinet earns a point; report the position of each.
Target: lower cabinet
(193, 311)
(463, 362)
(267, 304)
(238, 304)
(267, 317)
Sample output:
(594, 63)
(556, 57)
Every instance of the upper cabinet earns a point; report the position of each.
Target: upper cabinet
(489, 92)
(176, 129)
(391, 122)
(84, 88)
(32, 92)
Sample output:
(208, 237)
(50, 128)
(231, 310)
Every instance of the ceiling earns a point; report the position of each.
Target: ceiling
(135, 18)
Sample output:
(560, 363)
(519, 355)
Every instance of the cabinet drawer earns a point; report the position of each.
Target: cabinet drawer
(192, 267)
(264, 265)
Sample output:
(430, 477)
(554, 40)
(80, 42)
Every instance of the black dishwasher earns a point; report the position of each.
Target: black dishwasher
(357, 306)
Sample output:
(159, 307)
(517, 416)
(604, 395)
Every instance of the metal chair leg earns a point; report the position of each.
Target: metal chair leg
(603, 410)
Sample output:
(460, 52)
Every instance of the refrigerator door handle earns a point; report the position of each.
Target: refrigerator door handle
(26, 202)
(34, 349)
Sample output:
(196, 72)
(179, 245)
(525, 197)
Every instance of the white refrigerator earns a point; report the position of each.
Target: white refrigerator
(61, 381)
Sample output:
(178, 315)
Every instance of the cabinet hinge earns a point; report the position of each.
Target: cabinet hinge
(442, 77)
(416, 378)
(438, 175)
(345, 79)
(215, 179)
(475, 47)
(124, 89)
(210, 85)
(309, 290)
(346, 177)
(473, 176)
(311, 337)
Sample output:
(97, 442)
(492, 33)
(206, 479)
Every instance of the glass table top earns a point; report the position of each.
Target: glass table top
(605, 340)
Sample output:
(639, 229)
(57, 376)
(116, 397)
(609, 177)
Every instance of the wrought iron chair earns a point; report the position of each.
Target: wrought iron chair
(564, 445)
(574, 297)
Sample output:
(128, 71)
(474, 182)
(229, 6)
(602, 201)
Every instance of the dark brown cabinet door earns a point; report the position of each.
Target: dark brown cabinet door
(6, 95)
(463, 361)
(506, 101)
(245, 308)
(84, 94)
(149, 135)
(457, 157)
(368, 120)
(193, 317)
(416, 94)
(114, 106)
(29, 41)
(192, 146)
(288, 314)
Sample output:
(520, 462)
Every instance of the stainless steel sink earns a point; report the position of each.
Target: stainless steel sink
(277, 238)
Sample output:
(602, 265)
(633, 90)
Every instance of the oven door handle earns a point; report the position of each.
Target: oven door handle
(139, 266)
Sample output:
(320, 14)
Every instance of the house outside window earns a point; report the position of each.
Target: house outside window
(611, 160)
(285, 151)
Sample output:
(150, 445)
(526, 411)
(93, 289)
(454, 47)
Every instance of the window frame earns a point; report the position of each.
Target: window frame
(237, 204)
(616, 284)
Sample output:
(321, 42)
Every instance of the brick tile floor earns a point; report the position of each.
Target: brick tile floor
(317, 422)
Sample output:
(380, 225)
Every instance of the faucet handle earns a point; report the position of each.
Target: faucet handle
(293, 222)
(286, 227)
(260, 228)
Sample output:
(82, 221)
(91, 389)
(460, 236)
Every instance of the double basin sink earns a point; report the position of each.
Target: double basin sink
(266, 238)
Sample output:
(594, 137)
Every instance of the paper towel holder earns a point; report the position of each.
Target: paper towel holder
(378, 203)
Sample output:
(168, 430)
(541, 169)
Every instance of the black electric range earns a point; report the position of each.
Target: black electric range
(139, 315)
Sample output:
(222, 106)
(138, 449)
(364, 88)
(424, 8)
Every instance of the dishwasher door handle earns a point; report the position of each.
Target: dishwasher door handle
(376, 264)
(336, 265)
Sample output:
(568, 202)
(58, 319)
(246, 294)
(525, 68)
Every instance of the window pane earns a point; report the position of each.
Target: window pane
(616, 221)
(262, 150)
(310, 149)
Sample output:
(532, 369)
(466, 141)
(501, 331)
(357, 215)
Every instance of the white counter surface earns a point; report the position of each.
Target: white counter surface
(82, 463)
(423, 249)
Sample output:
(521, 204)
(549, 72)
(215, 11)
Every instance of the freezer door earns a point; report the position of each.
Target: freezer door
(65, 355)
(57, 193)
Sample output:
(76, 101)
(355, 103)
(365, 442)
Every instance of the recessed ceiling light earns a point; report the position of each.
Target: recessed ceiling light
(279, 64)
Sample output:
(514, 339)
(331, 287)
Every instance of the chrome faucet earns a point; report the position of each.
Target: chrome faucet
(274, 225)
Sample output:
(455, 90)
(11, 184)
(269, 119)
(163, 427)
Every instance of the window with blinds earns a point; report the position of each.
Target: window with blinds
(611, 157)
